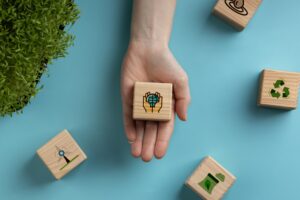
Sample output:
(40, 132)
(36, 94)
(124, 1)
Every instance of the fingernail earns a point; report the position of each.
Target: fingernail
(130, 142)
(185, 117)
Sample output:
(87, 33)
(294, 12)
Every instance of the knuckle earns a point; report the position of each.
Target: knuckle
(188, 98)
(183, 79)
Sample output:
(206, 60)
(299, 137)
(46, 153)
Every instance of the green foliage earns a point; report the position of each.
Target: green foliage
(32, 34)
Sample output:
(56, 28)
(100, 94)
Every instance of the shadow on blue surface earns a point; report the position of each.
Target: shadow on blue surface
(102, 138)
(219, 25)
(186, 193)
(36, 173)
(107, 144)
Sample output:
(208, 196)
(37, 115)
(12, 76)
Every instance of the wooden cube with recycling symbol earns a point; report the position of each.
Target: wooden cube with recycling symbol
(279, 89)
(238, 13)
(210, 180)
(152, 101)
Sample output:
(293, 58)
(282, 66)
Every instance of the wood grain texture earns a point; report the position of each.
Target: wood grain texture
(210, 166)
(237, 20)
(57, 164)
(267, 80)
(162, 110)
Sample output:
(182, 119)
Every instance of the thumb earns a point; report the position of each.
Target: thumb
(182, 96)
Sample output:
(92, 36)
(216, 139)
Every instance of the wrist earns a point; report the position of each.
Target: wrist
(148, 45)
(149, 38)
(152, 21)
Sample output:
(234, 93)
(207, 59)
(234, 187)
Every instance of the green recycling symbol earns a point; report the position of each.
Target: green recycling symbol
(277, 85)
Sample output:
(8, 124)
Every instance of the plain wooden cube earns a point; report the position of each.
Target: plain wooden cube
(279, 89)
(238, 13)
(61, 154)
(210, 180)
(152, 101)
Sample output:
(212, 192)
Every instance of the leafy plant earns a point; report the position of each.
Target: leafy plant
(32, 34)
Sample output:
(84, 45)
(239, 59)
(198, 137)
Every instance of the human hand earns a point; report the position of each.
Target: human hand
(151, 62)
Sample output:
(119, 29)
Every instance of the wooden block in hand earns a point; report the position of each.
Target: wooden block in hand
(210, 180)
(61, 154)
(279, 89)
(238, 13)
(152, 101)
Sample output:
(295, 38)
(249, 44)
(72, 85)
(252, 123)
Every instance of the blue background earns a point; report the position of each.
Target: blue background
(259, 146)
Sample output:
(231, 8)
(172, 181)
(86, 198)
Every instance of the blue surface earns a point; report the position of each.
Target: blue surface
(260, 146)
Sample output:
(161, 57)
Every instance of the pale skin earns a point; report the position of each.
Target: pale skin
(149, 59)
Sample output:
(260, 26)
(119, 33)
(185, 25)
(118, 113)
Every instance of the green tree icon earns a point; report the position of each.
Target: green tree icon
(277, 94)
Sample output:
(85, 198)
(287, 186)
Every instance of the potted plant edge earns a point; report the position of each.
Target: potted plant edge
(32, 34)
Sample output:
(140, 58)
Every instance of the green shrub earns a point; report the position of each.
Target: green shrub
(32, 34)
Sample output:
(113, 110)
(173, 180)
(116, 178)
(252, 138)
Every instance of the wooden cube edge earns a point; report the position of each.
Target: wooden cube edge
(189, 184)
(260, 91)
(65, 131)
(136, 115)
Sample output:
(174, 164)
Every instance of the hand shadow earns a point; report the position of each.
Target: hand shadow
(102, 139)
(107, 144)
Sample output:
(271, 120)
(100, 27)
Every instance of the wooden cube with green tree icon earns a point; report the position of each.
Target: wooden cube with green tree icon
(61, 154)
(210, 180)
(152, 101)
(279, 89)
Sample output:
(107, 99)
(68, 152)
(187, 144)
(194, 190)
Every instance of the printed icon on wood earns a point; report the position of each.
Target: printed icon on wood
(152, 101)
(237, 6)
(210, 180)
(279, 89)
(276, 93)
(61, 154)
(238, 13)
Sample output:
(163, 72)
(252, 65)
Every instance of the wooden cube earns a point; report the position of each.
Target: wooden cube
(210, 180)
(279, 89)
(61, 154)
(238, 13)
(152, 101)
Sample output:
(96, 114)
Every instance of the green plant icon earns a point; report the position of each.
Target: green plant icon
(221, 177)
(32, 35)
(275, 93)
(210, 181)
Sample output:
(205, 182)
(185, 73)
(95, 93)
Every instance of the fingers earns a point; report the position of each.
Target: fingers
(129, 124)
(136, 147)
(149, 140)
(127, 102)
(127, 105)
(164, 133)
(179, 78)
(182, 96)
